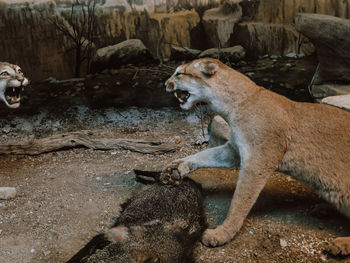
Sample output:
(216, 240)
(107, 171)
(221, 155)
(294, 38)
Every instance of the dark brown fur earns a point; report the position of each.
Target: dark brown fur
(158, 224)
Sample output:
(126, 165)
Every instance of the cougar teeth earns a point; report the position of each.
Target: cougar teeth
(179, 99)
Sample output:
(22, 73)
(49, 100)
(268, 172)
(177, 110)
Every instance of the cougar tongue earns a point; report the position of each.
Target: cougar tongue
(13, 95)
(181, 95)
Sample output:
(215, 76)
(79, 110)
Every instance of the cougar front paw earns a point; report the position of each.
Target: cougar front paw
(175, 172)
(339, 246)
(216, 237)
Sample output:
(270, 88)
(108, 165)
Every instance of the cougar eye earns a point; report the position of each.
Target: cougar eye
(19, 71)
(4, 73)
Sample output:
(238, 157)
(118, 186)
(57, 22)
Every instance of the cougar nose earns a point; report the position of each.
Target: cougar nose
(25, 82)
(169, 86)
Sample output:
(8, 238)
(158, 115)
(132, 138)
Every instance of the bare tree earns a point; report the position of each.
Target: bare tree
(78, 26)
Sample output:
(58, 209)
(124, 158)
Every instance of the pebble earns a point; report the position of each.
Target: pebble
(283, 243)
(6, 129)
(7, 192)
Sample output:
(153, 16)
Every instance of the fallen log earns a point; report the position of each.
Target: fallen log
(83, 139)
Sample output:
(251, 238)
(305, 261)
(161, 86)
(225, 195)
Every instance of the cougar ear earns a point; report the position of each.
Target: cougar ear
(209, 68)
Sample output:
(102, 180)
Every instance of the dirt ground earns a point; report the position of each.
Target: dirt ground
(66, 197)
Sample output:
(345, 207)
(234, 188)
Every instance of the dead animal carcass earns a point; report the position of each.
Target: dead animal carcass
(160, 223)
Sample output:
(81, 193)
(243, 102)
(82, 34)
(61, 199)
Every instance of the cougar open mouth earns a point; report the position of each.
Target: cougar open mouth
(13, 95)
(181, 95)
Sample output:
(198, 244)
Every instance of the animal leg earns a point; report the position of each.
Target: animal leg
(251, 181)
(220, 156)
(339, 246)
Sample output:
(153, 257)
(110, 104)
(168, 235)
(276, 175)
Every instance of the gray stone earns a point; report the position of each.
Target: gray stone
(7, 192)
(233, 54)
(330, 35)
(182, 53)
(341, 101)
(259, 38)
(126, 52)
(329, 89)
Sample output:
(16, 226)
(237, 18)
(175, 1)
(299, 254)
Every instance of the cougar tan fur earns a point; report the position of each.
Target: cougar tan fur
(12, 82)
(269, 132)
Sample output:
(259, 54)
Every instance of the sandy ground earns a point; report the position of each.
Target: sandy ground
(66, 197)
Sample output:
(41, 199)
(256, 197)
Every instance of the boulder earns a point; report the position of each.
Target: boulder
(126, 52)
(260, 38)
(329, 89)
(182, 53)
(232, 54)
(219, 23)
(330, 35)
(7, 192)
(332, 42)
(341, 101)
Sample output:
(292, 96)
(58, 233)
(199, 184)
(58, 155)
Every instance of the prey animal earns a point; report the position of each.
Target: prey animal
(269, 132)
(160, 223)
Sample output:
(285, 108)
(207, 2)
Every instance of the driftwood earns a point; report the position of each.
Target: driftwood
(83, 139)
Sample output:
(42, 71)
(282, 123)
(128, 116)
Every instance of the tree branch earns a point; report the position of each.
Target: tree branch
(83, 139)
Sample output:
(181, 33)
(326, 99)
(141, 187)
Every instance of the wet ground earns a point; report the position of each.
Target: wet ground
(66, 197)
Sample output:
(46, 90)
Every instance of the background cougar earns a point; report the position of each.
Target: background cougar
(12, 82)
(309, 141)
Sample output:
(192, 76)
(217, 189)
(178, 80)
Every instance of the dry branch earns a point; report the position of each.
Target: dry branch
(83, 139)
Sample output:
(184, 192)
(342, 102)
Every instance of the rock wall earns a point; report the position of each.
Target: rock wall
(30, 40)
(263, 27)
(268, 26)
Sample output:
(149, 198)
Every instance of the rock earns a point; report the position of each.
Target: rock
(219, 23)
(162, 31)
(283, 243)
(284, 11)
(182, 53)
(341, 101)
(7, 192)
(232, 54)
(259, 38)
(126, 52)
(332, 43)
(329, 89)
(219, 131)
